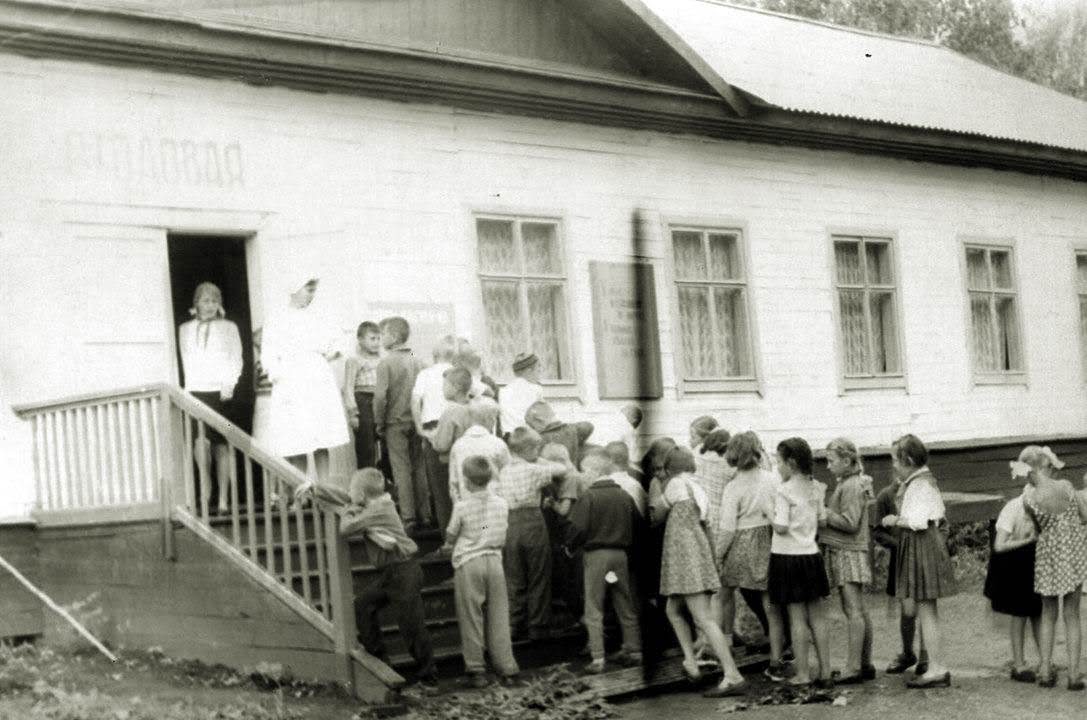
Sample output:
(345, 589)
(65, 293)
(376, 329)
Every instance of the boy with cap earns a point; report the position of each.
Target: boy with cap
(519, 394)
(540, 416)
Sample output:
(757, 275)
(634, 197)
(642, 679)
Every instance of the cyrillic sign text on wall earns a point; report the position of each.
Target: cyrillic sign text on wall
(160, 160)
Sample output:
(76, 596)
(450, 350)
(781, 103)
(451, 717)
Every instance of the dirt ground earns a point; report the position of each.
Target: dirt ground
(976, 648)
(84, 686)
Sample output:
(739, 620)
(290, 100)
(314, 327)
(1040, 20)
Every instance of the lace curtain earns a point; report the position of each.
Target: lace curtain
(520, 252)
(712, 310)
(869, 341)
(994, 327)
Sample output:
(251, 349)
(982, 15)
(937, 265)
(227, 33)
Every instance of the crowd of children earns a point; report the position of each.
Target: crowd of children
(525, 502)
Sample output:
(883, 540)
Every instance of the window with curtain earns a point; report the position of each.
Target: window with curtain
(867, 313)
(994, 319)
(711, 289)
(1081, 291)
(524, 295)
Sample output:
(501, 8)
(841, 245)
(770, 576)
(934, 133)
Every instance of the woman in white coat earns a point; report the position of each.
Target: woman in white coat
(305, 412)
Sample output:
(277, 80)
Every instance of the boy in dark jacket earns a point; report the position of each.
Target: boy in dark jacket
(371, 515)
(602, 522)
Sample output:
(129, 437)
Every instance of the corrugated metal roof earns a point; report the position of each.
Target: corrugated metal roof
(807, 66)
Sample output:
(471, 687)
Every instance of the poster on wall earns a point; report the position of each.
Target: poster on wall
(627, 338)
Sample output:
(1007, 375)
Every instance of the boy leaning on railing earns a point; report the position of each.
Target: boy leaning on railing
(369, 513)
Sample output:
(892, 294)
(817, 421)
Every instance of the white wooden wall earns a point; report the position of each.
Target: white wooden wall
(101, 162)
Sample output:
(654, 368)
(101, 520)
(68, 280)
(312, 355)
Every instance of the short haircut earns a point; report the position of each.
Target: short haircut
(445, 348)
(679, 460)
(909, 450)
(797, 451)
(597, 464)
(483, 411)
(477, 469)
(716, 441)
(367, 327)
(556, 452)
(467, 356)
(703, 425)
(523, 439)
(367, 482)
(744, 451)
(659, 450)
(846, 449)
(460, 378)
(633, 414)
(398, 327)
(619, 453)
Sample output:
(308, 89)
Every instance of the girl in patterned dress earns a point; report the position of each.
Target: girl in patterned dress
(688, 575)
(846, 553)
(924, 572)
(1060, 558)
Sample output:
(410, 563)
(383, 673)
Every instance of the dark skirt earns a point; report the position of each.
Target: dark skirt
(892, 570)
(1009, 583)
(797, 579)
(924, 569)
(225, 408)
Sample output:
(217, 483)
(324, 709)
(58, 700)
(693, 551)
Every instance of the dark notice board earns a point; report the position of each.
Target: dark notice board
(626, 334)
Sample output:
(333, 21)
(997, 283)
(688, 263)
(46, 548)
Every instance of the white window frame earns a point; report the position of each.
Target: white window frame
(567, 387)
(993, 377)
(1080, 290)
(887, 381)
(747, 384)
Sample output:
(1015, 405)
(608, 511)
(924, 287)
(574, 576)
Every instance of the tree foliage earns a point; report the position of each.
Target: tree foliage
(1049, 48)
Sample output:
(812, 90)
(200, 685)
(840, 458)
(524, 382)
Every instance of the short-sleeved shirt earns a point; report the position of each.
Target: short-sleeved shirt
(521, 482)
(1013, 520)
(475, 441)
(514, 401)
(747, 501)
(478, 526)
(798, 504)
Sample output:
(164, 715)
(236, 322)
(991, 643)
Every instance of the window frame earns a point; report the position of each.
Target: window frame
(890, 381)
(751, 384)
(567, 388)
(993, 377)
(1080, 292)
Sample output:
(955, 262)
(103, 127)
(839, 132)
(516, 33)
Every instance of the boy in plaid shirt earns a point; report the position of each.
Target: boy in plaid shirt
(477, 532)
(527, 555)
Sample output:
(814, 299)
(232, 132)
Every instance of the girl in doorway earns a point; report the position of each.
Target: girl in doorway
(924, 572)
(798, 579)
(845, 541)
(211, 361)
(1060, 560)
(305, 415)
(688, 574)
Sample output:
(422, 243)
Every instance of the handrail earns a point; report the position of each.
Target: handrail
(27, 410)
(234, 434)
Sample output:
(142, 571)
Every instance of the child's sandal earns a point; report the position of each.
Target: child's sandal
(1049, 680)
(1076, 683)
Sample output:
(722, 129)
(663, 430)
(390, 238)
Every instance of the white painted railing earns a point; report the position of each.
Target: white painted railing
(132, 455)
(95, 452)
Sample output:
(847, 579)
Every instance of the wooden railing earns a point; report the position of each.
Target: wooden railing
(96, 452)
(141, 453)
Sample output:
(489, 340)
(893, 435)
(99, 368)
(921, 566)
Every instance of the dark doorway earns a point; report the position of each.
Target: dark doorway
(221, 260)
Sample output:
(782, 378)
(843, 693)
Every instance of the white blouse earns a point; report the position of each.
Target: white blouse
(211, 355)
(921, 501)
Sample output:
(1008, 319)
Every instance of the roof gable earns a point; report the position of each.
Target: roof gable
(805, 66)
(551, 34)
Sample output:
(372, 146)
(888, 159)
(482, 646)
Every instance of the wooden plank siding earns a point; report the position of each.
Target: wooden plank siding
(22, 615)
(380, 195)
(199, 606)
